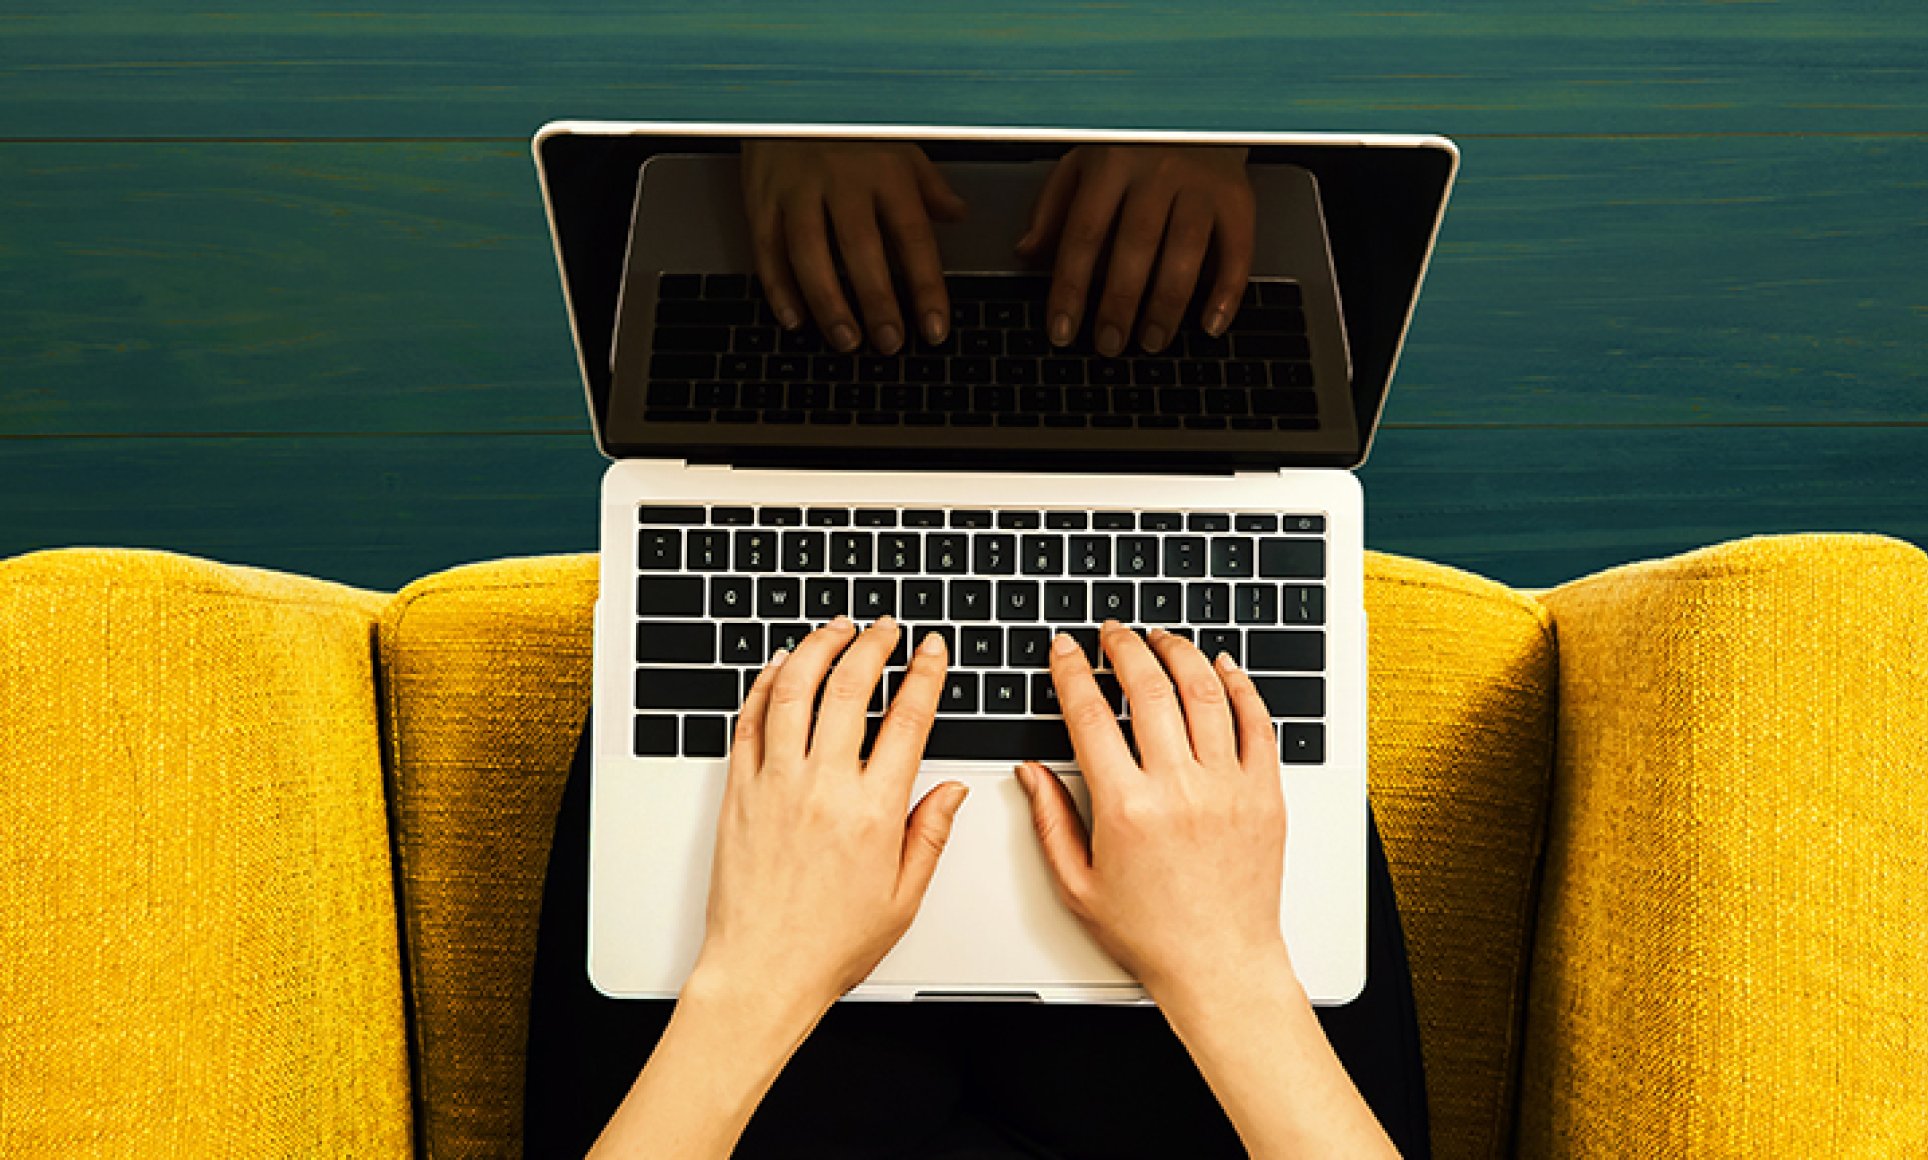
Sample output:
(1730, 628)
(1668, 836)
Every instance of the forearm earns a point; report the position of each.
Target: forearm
(720, 1053)
(1259, 1045)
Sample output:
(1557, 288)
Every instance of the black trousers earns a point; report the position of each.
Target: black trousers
(941, 1079)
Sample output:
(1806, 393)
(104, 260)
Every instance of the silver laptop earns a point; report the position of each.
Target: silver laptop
(991, 487)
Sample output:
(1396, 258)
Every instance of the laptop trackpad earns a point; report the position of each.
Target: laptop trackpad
(992, 920)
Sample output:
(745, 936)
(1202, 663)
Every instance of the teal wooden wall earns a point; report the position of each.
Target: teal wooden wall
(275, 285)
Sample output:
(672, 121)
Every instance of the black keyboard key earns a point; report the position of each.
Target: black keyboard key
(1017, 600)
(1256, 604)
(1090, 556)
(1065, 521)
(1004, 739)
(1022, 521)
(827, 517)
(1292, 346)
(1041, 555)
(876, 518)
(1292, 696)
(1302, 743)
(1113, 521)
(732, 516)
(1114, 695)
(897, 553)
(1213, 641)
(1307, 524)
(709, 550)
(714, 689)
(994, 554)
(1064, 601)
(669, 596)
(871, 599)
(1161, 521)
(826, 597)
(1301, 604)
(1030, 648)
(1087, 638)
(670, 515)
(982, 648)
(923, 518)
(1293, 558)
(803, 551)
(1231, 556)
(1004, 693)
(704, 737)
(850, 551)
(780, 517)
(959, 696)
(1276, 650)
(661, 550)
(923, 600)
(682, 367)
(1257, 523)
(691, 339)
(655, 735)
(1112, 602)
(1185, 556)
(779, 596)
(1284, 293)
(1044, 695)
(679, 286)
(660, 642)
(1208, 603)
(1137, 556)
(970, 600)
(730, 597)
(743, 644)
(947, 554)
(1160, 603)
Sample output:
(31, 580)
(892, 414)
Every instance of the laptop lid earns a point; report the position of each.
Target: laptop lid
(1383, 198)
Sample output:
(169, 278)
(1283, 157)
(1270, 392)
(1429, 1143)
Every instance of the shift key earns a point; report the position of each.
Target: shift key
(686, 689)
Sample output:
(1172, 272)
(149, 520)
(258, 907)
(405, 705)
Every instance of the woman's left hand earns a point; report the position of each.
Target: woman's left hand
(817, 871)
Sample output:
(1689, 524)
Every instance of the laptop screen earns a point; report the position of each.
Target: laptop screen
(1188, 301)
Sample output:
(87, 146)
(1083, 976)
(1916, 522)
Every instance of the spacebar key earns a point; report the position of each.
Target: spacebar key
(1008, 739)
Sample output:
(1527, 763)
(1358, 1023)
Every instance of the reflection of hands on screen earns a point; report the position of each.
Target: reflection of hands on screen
(789, 186)
(1180, 195)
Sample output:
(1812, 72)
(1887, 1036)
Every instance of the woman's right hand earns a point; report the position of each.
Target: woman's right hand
(789, 186)
(1179, 878)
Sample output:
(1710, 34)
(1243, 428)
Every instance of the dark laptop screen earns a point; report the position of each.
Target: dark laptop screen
(1381, 206)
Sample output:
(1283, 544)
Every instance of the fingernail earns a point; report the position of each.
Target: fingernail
(934, 328)
(777, 658)
(844, 336)
(1215, 324)
(788, 317)
(1154, 338)
(1156, 633)
(958, 795)
(1060, 328)
(1027, 777)
(1226, 663)
(1064, 645)
(1024, 243)
(1110, 342)
(888, 338)
(933, 645)
(840, 622)
(884, 621)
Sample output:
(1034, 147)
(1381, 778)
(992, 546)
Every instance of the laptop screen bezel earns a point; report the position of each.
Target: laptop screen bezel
(1384, 195)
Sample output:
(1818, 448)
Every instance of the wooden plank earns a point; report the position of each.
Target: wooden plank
(408, 287)
(1530, 508)
(123, 68)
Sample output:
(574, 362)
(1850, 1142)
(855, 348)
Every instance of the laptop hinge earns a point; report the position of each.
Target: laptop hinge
(979, 997)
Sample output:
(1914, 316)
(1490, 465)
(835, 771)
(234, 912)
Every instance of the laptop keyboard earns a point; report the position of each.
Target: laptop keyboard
(718, 355)
(720, 588)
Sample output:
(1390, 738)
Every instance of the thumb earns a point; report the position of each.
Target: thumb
(940, 199)
(925, 835)
(1061, 830)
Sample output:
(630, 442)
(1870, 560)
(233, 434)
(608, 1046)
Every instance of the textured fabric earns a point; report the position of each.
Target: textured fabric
(488, 680)
(1461, 726)
(1731, 956)
(486, 683)
(198, 947)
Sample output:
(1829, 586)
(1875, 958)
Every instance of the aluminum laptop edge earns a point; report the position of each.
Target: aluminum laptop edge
(991, 925)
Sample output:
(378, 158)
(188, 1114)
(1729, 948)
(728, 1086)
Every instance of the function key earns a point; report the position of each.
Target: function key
(1208, 522)
(827, 517)
(679, 286)
(780, 517)
(1065, 521)
(726, 286)
(876, 518)
(970, 518)
(671, 515)
(1279, 294)
(1160, 521)
(1112, 521)
(1017, 519)
(732, 517)
(923, 518)
(1305, 524)
(1258, 523)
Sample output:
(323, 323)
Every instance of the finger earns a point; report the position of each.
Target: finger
(910, 229)
(936, 191)
(773, 267)
(746, 745)
(1048, 211)
(816, 273)
(1187, 237)
(1061, 831)
(839, 735)
(900, 739)
(1208, 711)
(855, 216)
(1157, 723)
(1140, 230)
(925, 836)
(1086, 225)
(786, 724)
(1096, 739)
(1257, 741)
(1235, 229)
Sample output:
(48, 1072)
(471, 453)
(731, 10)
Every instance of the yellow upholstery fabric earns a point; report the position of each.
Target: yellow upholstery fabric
(1462, 675)
(1731, 956)
(198, 947)
(486, 681)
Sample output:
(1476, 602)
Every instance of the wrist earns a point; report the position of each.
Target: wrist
(754, 1005)
(1261, 977)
